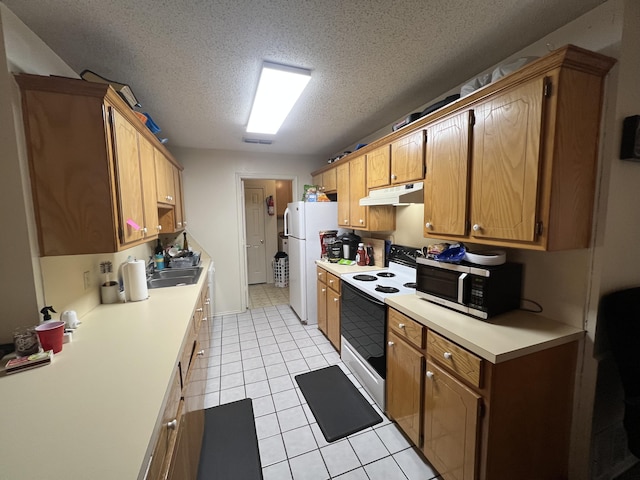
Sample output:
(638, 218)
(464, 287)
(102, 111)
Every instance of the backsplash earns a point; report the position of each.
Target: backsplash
(64, 283)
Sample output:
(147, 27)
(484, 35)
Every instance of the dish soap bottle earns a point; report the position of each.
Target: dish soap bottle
(45, 313)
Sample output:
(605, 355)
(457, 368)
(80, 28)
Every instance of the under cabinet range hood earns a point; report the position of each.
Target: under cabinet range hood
(400, 195)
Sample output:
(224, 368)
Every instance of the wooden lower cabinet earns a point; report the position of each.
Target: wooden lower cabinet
(476, 420)
(405, 366)
(176, 453)
(329, 306)
(451, 424)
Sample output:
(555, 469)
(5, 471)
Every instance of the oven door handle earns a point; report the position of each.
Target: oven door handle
(461, 280)
(368, 298)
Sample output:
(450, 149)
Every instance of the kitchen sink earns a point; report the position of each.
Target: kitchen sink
(173, 278)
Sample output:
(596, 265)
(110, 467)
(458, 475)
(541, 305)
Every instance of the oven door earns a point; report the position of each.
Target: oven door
(363, 325)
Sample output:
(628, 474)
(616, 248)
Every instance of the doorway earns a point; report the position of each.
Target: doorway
(259, 225)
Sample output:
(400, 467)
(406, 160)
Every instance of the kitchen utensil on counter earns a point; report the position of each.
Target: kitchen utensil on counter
(51, 335)
(490, 257)
(25, 340)
(335, 252)
(110, 293)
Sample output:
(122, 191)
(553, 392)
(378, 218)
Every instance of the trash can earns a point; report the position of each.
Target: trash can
(281, 270)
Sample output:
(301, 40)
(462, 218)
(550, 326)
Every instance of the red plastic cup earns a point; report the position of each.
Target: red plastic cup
(51, 335)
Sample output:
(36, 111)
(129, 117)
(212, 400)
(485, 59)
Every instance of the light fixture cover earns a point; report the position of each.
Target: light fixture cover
(279, 88)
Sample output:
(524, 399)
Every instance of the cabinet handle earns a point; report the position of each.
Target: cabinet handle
(159, 227)
(324, 290)
(199, 309)
(331, 282)
(448, 355)
(179, 224)
(207, 301)
(204, 319)
(429, 225)
(346, 221)
(361, 221)
(401, 325)
(393, 177)
(476, 227)
(201, 353)
(335, 299)
(172, 424)
(391, 344)
(429, 374)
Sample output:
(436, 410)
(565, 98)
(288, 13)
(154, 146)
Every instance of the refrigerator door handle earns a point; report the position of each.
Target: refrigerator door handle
(286, 222)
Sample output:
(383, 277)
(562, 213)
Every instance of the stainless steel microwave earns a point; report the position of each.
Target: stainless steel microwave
(476, 290)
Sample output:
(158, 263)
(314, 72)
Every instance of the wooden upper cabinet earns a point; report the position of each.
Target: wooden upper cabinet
(357, 190)
(149, 193)
(326, 181)
(506, 163)
(89, 167)
(379, 167)
(127, 160)
(342, 172)
(407, 158)
(165, 179)
(446, 183)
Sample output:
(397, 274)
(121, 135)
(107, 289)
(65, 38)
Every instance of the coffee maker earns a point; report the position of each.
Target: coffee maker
(350, 243)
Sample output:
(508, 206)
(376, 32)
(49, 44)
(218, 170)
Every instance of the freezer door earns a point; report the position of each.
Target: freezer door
(297, 280)
(296, 220)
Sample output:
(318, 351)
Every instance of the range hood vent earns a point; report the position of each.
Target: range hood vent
(400, 195)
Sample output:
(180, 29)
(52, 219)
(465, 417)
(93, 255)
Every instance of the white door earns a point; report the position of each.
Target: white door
(254, 208)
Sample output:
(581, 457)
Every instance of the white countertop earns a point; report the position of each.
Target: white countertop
(504, 337)
(92, 413)
(338, 269)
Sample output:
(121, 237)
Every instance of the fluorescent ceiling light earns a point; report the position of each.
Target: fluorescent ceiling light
(279, 88)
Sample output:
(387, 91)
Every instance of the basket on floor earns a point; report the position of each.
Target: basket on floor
(281, 271)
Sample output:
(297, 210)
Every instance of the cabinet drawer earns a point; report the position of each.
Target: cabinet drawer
(160, 455)
(465, 364)
(333, 282)
(406, 328)
(322, 275)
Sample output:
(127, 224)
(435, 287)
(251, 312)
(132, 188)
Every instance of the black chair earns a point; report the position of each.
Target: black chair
(620, 313)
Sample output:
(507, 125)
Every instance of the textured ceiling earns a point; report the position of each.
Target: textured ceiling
(194, 64)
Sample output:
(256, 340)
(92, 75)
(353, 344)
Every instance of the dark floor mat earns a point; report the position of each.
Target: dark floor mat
(230, 444)
(336, 403)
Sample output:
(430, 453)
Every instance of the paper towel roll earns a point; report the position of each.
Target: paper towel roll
(136, 281)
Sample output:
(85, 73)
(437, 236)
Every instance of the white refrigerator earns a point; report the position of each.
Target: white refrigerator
(302, 223)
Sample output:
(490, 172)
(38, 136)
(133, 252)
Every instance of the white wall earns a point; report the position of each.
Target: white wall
(214, 209)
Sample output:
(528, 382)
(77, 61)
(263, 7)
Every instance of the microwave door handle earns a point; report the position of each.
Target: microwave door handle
(461, 280)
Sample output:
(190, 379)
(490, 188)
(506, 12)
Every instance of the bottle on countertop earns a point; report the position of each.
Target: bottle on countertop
(159, 248)
(185, 244)
(370, 260)
(45, 313)
(361, 255)
(159, 256)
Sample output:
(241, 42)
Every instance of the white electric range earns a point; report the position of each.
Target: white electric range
(363, 316)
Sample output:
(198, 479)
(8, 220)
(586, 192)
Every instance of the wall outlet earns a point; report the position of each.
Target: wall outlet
(85, 277)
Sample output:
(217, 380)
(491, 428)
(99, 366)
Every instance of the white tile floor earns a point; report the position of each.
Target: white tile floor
(257, 355)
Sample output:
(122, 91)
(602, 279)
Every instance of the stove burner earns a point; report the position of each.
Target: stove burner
(365, 278)
(383, 289)
(410, 285)
(386, 274)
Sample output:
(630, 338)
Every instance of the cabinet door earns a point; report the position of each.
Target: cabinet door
(357, 190)
(333, 318)
(451, 425)
(322, 307)
(446, 183)
(179, 199)
(379, 167)
(342, 172)
(506, 154)
(329, 180)
(164, 179)
(149, 189)
(131, 213)
(407, 158)
(404, 386)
